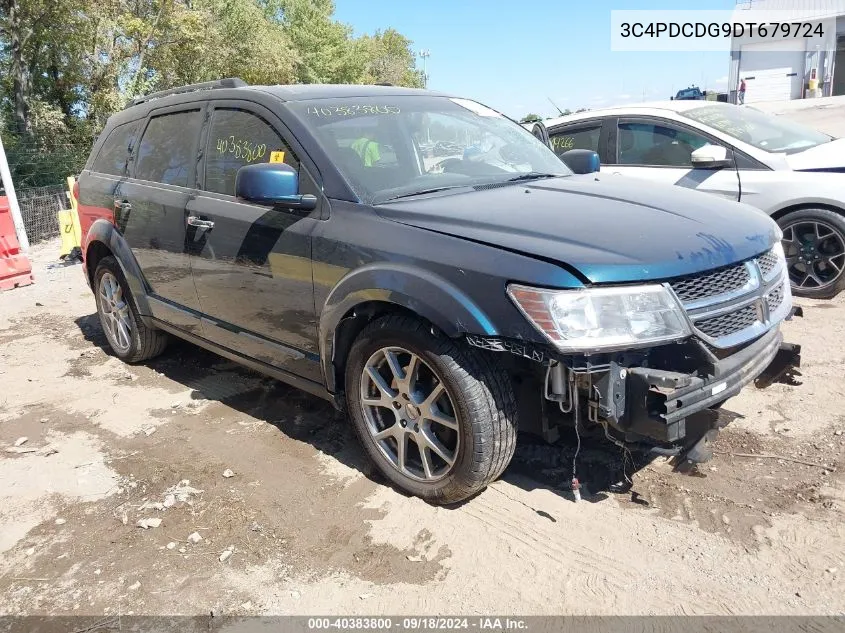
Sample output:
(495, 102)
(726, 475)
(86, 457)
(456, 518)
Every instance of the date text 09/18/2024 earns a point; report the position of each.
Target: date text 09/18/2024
(430, 623)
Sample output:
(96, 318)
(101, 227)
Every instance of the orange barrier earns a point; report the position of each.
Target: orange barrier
(15, 269)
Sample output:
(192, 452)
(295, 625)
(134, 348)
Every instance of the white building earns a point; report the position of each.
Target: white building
(775, 71)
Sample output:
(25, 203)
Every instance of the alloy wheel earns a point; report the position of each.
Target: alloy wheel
(410, 414)
(815, 254)
(114, 311)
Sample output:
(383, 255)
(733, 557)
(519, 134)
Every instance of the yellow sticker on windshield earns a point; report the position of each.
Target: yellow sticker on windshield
(277, 157)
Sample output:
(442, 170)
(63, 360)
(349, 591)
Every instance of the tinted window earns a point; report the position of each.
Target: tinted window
(580, 138)
(239, 138)
(652, 144)
(168, 148)
(115, 151)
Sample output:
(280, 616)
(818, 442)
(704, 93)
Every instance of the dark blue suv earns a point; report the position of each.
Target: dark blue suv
(444, 298)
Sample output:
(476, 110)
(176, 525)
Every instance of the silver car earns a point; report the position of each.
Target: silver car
(793, 173)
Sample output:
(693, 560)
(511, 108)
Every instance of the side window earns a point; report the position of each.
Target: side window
(576, 138)
(168, 148)
(655, 144)
(239, 138)
(114, 153)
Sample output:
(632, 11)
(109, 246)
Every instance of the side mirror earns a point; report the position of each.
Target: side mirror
(272, 184)
(581, 161)
(539, 130)
(710, 157)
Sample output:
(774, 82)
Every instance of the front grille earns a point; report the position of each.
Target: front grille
(727, 324)
(711, 283)
(775, 298)
(767, 263)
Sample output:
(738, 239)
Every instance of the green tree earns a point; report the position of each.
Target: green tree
(388, 58)
(530, 118)
(67, 65)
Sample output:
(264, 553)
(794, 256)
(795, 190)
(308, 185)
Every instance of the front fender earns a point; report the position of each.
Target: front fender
(420, 291)
(106, 233)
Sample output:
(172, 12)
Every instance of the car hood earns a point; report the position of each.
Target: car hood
(610, 230)
(825, 156)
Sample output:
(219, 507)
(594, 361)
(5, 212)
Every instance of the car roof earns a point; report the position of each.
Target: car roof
(654, 108)
(301, 92)
(293, 92)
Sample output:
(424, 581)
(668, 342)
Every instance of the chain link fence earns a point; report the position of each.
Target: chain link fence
(40, 165)
(39, 208)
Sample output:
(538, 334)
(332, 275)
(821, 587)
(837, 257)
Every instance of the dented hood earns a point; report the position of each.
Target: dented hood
(610, 230)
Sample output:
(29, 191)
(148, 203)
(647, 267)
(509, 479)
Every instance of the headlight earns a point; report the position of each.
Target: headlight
(600, 319)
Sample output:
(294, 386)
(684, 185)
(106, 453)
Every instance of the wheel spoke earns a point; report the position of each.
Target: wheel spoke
(380, 384)
(436, 415)
(401, 449)
(384, 434)
(434, 444)
(834, 265)
(115, 331)
(438, 391)
(394, 366)
(425, 458)
(410, 373)
(124, 332)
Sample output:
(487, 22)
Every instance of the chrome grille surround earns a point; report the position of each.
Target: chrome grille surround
(724, 313)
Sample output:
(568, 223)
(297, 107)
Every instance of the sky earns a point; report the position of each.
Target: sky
(514, 57)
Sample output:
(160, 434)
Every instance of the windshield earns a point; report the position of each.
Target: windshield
(759, 129)
(389, 147)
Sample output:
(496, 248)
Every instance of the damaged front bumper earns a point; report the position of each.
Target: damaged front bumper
(666, 411)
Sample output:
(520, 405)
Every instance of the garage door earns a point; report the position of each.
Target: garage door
(772, 73)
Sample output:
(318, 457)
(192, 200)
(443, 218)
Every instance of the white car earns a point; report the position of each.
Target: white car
(793, 173)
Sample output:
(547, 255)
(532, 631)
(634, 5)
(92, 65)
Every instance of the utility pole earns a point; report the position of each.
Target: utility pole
(425, 54)
(15, 210)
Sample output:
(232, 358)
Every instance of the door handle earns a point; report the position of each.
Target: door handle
(200, 224)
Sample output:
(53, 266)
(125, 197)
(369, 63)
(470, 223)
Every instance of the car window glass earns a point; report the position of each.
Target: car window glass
(411, 144)
(581, 138)
(654, 144)
(237, 138)
(763, 131)
(167, 149)
(115, 151)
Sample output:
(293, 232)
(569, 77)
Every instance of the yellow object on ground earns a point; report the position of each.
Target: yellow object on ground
(69, 229)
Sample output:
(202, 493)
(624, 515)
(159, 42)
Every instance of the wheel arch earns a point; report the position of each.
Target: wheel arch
(104, 240)
(373, 291)
(777, 215)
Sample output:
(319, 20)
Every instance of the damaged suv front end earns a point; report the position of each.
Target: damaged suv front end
(644, 362)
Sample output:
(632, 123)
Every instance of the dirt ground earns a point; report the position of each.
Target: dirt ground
(309, 529)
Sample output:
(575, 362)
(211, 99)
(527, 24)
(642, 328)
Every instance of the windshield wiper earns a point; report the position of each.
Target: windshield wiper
(422, 192)
(533, 175)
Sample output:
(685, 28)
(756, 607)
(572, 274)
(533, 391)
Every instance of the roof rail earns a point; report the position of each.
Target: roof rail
(230, 82)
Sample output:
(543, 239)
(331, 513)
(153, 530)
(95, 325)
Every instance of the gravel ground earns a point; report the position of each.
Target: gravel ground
(302, 525)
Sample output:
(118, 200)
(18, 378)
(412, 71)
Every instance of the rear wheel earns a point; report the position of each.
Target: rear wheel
(129, 338)
(436, 418)
(814, 243)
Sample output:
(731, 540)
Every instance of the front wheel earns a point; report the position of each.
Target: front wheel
(814, 244)
(435, 416)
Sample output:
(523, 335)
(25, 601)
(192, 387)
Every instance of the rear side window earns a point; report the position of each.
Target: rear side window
(239, 138)
(168, 148)
(114, 154)
(580, 138)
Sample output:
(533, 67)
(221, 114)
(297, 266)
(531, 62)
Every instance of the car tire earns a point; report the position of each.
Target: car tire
(824, 245)
(128, 337)
(476, 400)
